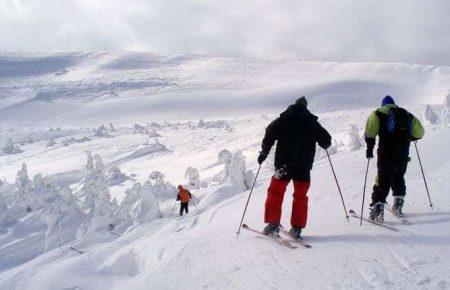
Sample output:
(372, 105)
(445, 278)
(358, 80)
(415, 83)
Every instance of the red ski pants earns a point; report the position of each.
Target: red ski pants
(274, 202)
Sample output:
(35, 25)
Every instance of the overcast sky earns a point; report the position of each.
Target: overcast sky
(416, 31)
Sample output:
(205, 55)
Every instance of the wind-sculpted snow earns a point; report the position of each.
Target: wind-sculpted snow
(109, 219)
(85, 86)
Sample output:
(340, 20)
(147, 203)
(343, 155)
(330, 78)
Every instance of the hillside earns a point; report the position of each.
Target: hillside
(169, 113)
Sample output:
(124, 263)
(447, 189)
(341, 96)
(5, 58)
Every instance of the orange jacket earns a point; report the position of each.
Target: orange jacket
(184, 195)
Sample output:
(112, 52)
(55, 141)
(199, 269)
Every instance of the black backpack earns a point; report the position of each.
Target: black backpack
(399, 123)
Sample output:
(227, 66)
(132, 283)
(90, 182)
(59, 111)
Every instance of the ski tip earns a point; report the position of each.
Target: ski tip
(351, 212)
(245, 226)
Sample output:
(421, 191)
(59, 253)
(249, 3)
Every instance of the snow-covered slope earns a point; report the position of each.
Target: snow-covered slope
(167, 96)
(77, 89)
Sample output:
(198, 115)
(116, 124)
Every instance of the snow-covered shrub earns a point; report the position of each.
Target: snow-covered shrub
(355, 138)
(111, 127)
(430, 115)
(224, 157)
(30, 140)
(10, 148)
(51, 143)
(193, 178)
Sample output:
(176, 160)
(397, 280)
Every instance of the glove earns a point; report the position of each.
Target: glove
(262, 156)
(369, 152)
(370, 145)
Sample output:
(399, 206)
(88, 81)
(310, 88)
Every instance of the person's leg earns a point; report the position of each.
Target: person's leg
(398, 182)
(383, 182)
(274, 201)
(299, 214)
(399, 187)
(181, 209)
(187, 207)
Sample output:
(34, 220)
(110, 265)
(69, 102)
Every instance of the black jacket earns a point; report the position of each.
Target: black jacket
(297, 131)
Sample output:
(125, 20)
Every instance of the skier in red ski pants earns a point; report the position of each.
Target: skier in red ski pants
(297, 132)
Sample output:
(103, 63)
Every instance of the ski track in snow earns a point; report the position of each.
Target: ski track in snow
(201, 250)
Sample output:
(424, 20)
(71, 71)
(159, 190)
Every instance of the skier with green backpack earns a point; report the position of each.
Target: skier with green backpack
(396, 128)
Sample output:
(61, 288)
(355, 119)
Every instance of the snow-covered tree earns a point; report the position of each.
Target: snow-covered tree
(237, 169)
(63, 218)
(10, 148)
(111, 127)
(51, 142)
(430, 115)
(139, 129)
(224, 156)
(96, 196)
(193, 178)
(129, 207)
(101, 131)
(23, 183)
(355, 138)
(154, 134)
(149, 204)
(161, 189)
(115, 176)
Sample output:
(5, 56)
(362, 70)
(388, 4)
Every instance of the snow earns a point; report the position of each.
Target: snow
(200, 120)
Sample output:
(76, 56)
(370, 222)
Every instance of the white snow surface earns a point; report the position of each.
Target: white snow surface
(200, 106)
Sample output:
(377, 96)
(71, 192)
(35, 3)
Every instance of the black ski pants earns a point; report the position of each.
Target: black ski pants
(391, 172)
(184, 207)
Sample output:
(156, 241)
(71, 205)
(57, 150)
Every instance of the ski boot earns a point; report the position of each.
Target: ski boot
(272, 230)
(296, 232)
(398, 205)
(377, 212)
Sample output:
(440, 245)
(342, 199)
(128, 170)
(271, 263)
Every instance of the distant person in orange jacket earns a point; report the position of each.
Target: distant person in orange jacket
(183, 196)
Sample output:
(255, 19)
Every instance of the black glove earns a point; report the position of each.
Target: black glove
(370, 145)
(369, 153)
(262, 156)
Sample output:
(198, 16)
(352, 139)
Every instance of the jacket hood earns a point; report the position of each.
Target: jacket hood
(298, 111)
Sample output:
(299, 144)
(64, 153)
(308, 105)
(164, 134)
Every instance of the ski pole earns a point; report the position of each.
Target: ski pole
(337, 183)
(364, 191)
(423, 175)
(172, 209)
(248, 200)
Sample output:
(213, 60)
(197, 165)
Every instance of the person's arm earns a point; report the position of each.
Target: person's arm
(178, 196)
(417, 130)
(269, 139)
(323, 138)
(371, 132)
(190, 195)
(270, 136)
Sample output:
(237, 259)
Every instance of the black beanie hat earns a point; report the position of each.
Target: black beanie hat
(302, 101)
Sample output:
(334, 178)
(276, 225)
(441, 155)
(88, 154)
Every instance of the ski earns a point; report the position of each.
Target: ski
(280, 240)
(300, 241)
(355, 215)
(402, 219)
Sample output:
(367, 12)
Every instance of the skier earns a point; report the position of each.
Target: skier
(297, 132)
(183, 196)
(396, 128)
